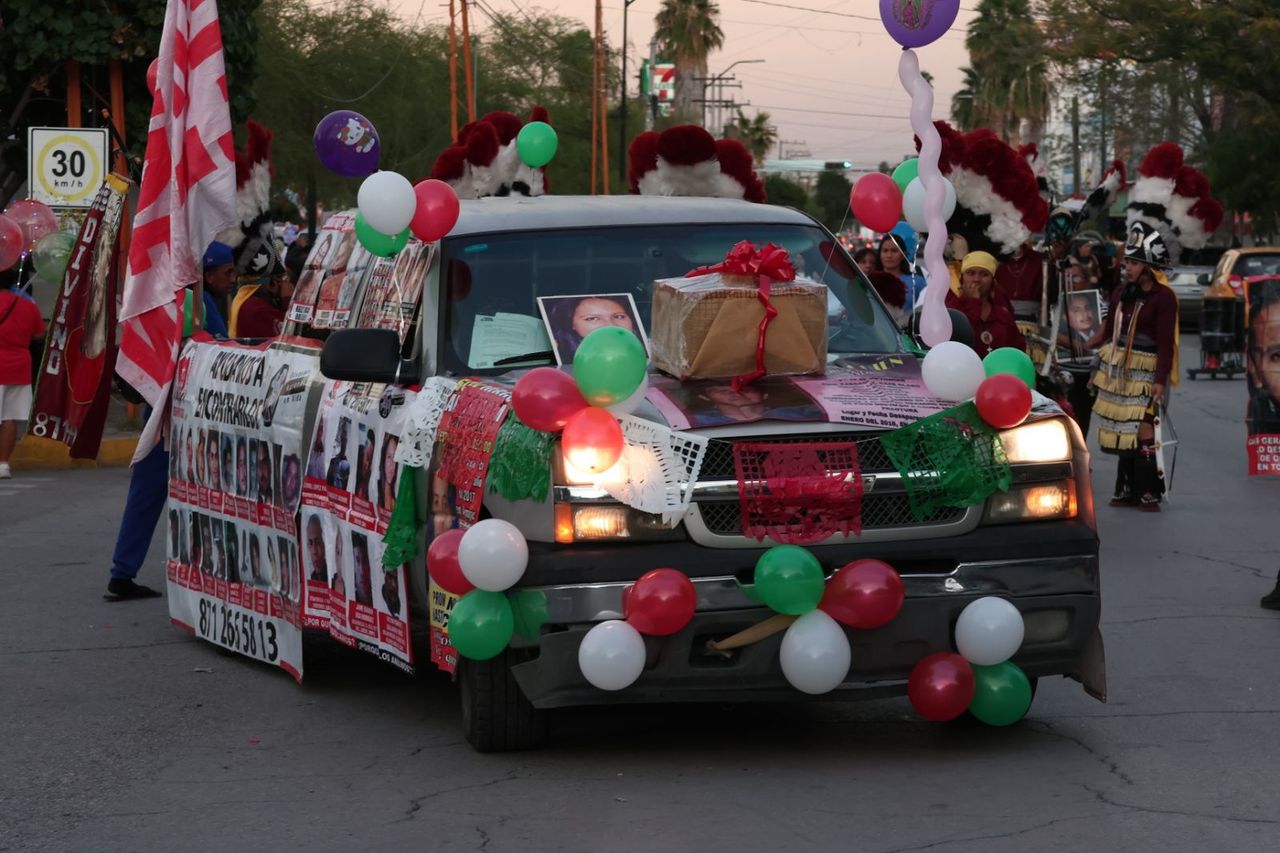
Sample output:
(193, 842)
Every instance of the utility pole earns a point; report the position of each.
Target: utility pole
(651, 109)
(453, 77)
(466, 64)
(622, 117)
(1075, 144)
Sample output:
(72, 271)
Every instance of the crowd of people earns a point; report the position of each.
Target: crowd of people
(1114, 347)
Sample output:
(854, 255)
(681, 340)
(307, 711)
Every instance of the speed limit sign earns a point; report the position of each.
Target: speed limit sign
(66, 165)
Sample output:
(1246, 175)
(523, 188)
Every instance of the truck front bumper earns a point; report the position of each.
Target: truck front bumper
(1058, 595)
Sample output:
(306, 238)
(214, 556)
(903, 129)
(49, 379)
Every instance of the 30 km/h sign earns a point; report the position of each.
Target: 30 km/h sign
(66, 165)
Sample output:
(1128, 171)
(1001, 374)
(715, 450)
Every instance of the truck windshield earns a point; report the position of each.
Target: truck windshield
(493, 283)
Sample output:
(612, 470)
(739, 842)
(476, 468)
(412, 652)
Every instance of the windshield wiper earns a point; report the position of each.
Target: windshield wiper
(546, 355)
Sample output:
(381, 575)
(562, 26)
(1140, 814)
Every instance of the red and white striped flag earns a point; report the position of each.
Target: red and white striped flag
(188, 195)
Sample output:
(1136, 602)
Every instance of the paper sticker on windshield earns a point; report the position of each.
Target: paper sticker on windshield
(569, 319)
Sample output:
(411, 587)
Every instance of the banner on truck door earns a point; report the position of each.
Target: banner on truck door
(349, 492)
(1263, 352)
(235, 475)
(393, 290)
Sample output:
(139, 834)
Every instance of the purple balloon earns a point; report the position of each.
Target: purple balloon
(915, 23)
(347, 144)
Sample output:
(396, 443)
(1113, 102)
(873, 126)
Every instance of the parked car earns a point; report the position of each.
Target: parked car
(1035, 545)
(1238, 264)
(1189, 284)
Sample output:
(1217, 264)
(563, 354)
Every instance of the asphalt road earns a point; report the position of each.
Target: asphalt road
(121, 732)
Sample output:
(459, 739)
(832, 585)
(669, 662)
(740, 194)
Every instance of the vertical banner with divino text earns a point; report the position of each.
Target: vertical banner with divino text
(349, 492)
(235, 483)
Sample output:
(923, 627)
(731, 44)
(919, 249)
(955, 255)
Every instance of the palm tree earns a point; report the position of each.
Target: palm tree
(1008, 74)
(687, 31)
(757, 134)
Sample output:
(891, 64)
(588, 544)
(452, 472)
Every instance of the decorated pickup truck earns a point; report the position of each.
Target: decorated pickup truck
(494, 476)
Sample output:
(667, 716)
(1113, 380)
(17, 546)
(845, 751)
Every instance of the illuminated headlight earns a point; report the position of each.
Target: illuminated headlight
(609, 523)
(1044, 441)
(571, 476)
(1038, 502)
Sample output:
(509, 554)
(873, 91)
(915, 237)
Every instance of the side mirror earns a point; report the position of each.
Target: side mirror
(367, 355)
(1203, 279)
(961, 330)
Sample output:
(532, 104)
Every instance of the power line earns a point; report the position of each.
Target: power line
(834, 113)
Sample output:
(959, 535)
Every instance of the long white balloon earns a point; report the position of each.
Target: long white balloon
(935, 322)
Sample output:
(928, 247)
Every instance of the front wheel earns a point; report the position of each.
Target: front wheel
(496, 716)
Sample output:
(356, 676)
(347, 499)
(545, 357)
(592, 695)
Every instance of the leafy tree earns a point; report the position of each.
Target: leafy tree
(788, 193)
(687, 32)
(757, 134)
(38, 38)
(1007, 75)
(832, 198)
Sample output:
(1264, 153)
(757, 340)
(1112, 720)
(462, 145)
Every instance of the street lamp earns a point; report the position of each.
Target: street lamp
(622, 123)
(706, 84)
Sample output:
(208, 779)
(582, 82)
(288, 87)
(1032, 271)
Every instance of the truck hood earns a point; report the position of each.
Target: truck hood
(872, 393)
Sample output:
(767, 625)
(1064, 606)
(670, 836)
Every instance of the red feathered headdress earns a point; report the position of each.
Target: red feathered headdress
(483, 160)
(688, 161)
(1173, 198)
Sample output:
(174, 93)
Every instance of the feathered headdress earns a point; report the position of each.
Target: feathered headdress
(1172, 199)
(998, 202)
(689, 161)
(252, 238)
(483, 160)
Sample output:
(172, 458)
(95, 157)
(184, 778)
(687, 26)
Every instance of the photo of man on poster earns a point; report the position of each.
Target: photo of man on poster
(1263, 346)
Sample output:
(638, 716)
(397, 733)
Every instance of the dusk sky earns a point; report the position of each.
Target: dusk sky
(829, 81)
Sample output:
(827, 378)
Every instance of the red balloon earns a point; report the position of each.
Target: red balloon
(437, 210)
(661, 602)
(941, 686)
(11, 241)
(153, 72)
(876, 201)
(592, 440)
(545, 398)
(1003, 400)
(863, 594)
(442, 563)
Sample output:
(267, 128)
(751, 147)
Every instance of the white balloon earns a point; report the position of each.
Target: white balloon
(815, 653)
(493, 554)
(612, 655)
(629, 405)
(913, 203)
(387, 202)
(989, 631)
(952, 371)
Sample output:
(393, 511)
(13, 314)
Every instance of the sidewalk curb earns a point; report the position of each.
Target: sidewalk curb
(34, 453)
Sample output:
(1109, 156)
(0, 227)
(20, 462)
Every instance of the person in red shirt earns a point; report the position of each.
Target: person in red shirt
(1020, 280)
(262, 315)
(987, 311)
(20, 324)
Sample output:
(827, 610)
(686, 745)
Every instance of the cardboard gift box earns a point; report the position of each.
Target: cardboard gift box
(708, 325)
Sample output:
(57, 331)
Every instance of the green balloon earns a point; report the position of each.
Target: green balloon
(789, 579)
(481, 624)
(907, 171)
(188, 312)
(529, 607)
(1011, 360)
(1002, 694)
(609, 365)
(51, 253)
(536, 144)
(377, 243)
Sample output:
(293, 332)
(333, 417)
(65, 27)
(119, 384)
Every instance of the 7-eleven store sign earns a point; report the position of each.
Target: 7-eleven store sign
(664, 85)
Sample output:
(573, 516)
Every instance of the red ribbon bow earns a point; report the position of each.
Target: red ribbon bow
(767, 265)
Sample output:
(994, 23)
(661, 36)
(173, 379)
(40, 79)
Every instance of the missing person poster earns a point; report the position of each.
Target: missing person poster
(393, 288)
(349, 492)
(235, 466)
(1262, 344)
(325, 270)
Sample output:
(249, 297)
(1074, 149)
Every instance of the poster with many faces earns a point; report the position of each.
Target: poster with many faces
(349, 492)
(235, 475)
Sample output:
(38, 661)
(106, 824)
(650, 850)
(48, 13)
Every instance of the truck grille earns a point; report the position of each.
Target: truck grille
(717, 463)
(878, 511)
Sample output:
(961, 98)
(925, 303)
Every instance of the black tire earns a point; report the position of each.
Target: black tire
(496, 716)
